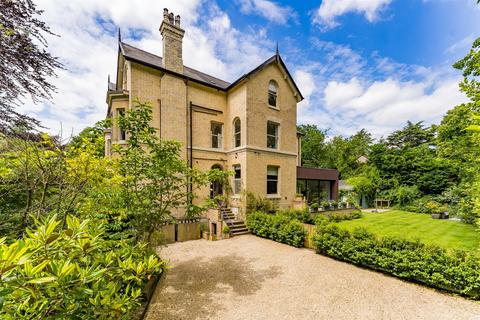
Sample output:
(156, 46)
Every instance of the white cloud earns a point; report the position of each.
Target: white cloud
(389, 103)
(329, 10)
(268, 9)
(306, 84)
(87, 46)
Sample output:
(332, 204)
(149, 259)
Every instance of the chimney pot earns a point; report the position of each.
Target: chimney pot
(165, 14)
(170, 18)
(177, 21)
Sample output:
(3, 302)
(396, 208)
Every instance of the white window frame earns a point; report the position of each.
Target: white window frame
(275, 136)
(219, 136)
(237, 181)
(270, 180)
(235, 133)
(273, 93)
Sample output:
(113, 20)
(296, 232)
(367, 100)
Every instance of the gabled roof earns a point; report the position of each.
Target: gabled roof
(154, 61)
(148, 59)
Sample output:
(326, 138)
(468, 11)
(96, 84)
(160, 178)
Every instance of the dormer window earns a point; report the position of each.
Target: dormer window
(272, 93)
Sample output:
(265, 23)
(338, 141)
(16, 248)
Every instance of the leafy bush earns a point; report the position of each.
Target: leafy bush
(404, 195)
(259, 204)
(456, 272)
(326, 205)
(226, 229)
(72, 273)
(301, 215)
(337, 217)
(278, 227)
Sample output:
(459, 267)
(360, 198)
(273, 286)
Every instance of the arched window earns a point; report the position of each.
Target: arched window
(272, 93)
(237, 133)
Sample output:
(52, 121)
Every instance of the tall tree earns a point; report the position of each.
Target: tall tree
(25, 66)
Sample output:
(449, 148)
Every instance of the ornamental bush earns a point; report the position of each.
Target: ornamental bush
(278, 227)
(73, 273)
(433, 266)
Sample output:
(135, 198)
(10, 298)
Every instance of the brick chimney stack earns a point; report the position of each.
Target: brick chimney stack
(172, 36)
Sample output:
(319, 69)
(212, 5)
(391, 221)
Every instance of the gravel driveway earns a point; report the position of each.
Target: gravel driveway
(247, 277)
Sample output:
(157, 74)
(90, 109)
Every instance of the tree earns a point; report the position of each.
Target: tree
(158, 184)
(25, 67)
(411, 135)
(314, 153)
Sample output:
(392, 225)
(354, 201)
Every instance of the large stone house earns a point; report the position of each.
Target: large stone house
(248, 126)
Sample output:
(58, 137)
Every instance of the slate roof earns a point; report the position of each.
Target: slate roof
(144, 57)
(154, 61)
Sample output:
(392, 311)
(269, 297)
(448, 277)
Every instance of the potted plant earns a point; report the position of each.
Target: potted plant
(334, 204)
(326, 205)
(342, 205)
(226, 232)
(314, 207)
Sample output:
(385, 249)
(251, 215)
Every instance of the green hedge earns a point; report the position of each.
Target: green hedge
(278, 227)
(457, 272)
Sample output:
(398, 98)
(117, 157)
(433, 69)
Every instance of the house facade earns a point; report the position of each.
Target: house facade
(248, 126)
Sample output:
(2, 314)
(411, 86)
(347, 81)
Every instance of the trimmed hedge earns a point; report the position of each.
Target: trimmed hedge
(278, 227)
(337, 217)
(457, 272)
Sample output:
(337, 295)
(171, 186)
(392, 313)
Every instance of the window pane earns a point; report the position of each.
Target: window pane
(271, 187)
(215, 143)
(238, 172)
(272, 134)
(271, 142)
(272, 99)
(272, 180)
(237, 181)
(237, 140)
(272, 171)
(271, 128)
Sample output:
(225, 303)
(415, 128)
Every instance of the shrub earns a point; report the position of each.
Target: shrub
(226, 230)
(404, 195)
(73, 273)
(278, 227)
(259, 204)
(326, 205)
(337, 217)
(301, 215)
(457, 272)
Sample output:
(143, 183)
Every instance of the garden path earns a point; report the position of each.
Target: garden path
(248, 277)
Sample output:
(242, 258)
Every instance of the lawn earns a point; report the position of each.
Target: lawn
(446, 233)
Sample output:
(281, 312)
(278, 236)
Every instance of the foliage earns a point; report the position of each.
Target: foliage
(337, 217)
(91, 135)
(226, 229)
(26, 68)
(404, 195)
(42, 177)
(338, 153)
(72, 273)
(157, 181)
(278, 227)
(456, 272)
(301, 215)
(257, 203)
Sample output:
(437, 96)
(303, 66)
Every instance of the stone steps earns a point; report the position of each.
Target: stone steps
(237, 227)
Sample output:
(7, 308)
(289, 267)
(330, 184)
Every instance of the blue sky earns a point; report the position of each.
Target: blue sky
(370, 64)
